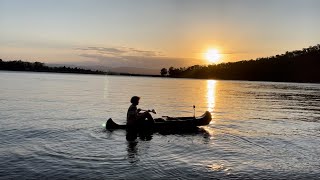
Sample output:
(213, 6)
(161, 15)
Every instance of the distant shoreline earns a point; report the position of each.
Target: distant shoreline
(300, 66)
(23, 66)
(159, 76)
(100, 74)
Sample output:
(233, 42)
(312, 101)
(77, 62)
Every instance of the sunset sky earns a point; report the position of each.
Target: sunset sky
(154, 33)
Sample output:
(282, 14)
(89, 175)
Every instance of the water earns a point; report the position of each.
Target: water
(51, 127)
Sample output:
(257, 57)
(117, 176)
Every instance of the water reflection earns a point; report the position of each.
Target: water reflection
(132, 151)
(211, 95)
(132, 135)
(105, 88)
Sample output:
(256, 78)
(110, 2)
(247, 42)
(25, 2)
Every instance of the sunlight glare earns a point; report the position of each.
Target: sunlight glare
(212, 55)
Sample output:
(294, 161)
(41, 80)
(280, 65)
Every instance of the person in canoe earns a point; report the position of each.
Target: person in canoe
(135, 117)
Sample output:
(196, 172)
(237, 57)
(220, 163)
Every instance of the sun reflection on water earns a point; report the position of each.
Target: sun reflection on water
(105, 88)
(211, 94)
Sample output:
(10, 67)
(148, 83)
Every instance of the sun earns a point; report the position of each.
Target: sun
(212, 55)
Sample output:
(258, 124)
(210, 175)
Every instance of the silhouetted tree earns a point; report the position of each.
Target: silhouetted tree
(41, 67)
(171, 69)
(164, 72)
(295, 66)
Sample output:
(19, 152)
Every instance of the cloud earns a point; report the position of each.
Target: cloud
(120, 51)
(146, 53)
(132, 57)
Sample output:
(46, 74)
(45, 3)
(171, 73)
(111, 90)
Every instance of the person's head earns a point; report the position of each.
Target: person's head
(135, 100)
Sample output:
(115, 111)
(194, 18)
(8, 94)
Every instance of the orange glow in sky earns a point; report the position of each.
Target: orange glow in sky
(154, 34)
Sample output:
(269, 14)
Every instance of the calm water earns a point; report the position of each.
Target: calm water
(51, 127)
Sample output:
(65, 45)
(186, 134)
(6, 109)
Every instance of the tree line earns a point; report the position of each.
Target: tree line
(18, 65)
(295, 66)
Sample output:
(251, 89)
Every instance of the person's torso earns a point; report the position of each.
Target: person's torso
(132, 115)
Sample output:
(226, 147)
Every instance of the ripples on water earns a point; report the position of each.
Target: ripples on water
(51, 128)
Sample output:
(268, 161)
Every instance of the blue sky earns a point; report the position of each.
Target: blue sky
(154, 34)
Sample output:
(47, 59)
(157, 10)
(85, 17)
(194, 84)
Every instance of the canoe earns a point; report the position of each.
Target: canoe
(169, 123)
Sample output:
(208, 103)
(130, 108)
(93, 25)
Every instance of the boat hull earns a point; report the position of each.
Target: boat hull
(172, 123)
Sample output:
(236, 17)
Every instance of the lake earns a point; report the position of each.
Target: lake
(51, 126)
